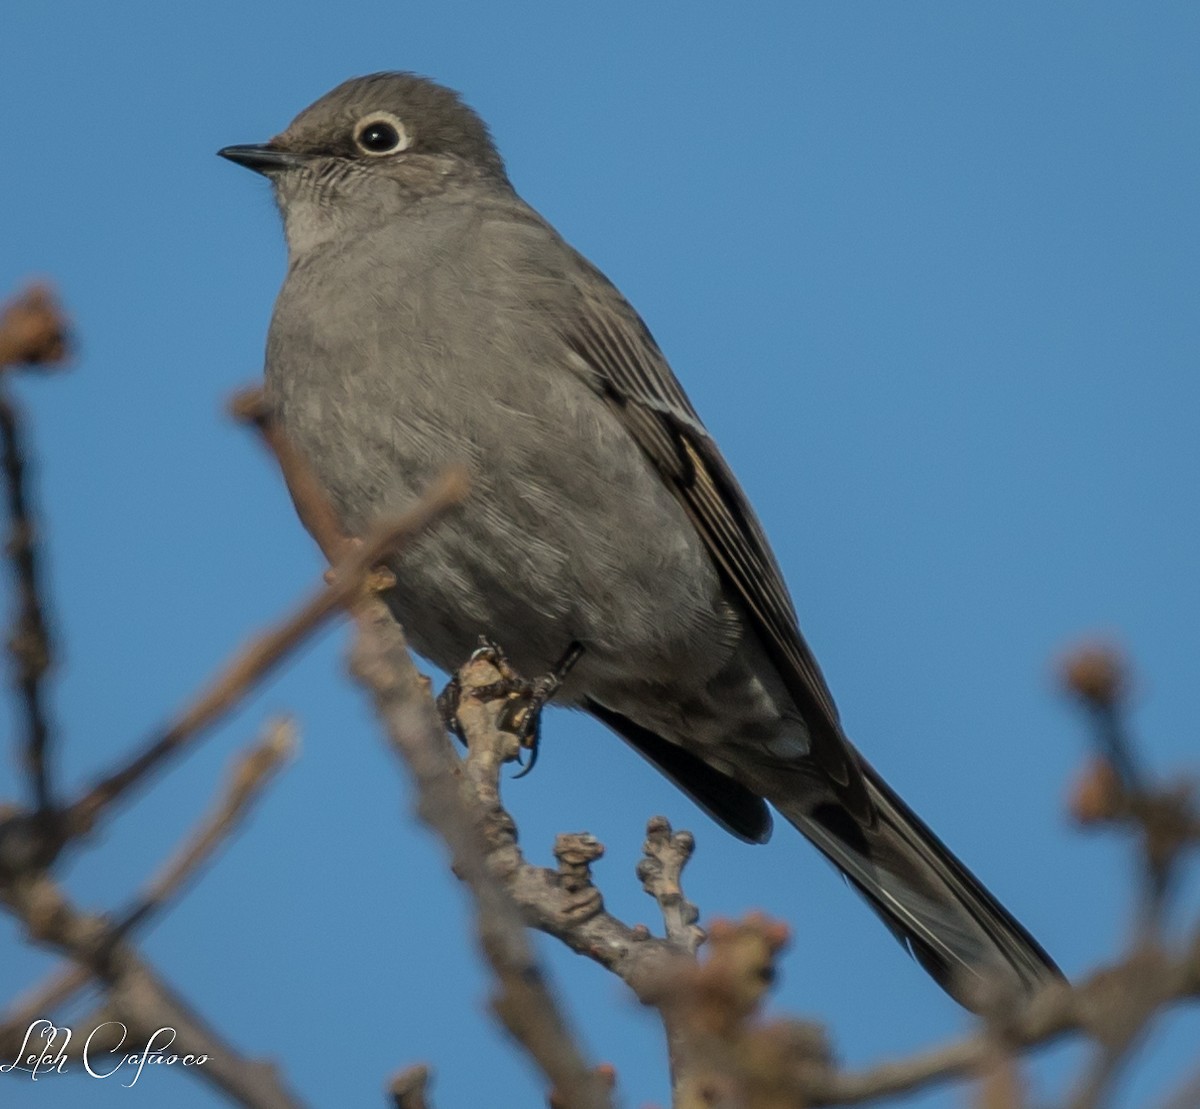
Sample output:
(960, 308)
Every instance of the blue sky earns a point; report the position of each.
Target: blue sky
(930, 273)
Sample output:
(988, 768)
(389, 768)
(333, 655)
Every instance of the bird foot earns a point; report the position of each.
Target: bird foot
(524, 699)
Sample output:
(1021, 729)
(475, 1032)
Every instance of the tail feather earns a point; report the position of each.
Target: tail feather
(929, 900)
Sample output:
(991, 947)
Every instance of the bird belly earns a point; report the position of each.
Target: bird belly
(567, 535)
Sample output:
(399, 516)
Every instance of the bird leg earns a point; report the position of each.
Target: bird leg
(524, 699)
(447, 705)
(523, 714)
(451, 697)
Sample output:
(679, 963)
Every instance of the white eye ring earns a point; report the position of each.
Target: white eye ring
(381, 134)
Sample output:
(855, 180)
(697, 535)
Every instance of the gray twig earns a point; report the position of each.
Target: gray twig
(666, 853)
(409, 1088)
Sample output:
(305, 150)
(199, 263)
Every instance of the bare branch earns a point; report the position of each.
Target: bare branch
(1117, 788)
(266, 652)
(312, 506)
(29, 641)
(1098, 676)
(523, 1002)
(562, 903)
(1000, 1081)
(32, 332)
(605, 1074)
(661, 874)
(138, 998)
(59, 987)
(722, 1052)
(1097, 1007)
(408, 1089)
(146, 1003)
(251, 774)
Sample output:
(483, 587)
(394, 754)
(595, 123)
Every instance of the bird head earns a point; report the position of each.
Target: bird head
(372, 143)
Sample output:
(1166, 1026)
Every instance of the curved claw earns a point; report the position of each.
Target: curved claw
(534, 747)
(523, 720)
(522, 715)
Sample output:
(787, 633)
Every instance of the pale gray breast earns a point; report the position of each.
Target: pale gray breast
(428, 342)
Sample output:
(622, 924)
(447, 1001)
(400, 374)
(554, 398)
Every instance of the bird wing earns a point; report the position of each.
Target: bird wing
(618, 355)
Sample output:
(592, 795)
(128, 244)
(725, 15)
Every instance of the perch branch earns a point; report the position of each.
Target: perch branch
(523, 1001)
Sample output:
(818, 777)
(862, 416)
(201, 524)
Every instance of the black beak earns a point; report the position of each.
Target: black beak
(262, 157)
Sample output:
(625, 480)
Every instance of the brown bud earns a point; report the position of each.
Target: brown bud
(33, 330)
(1096, 673)
(409, 1087)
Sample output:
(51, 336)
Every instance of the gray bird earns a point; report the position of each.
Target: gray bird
(429, 316)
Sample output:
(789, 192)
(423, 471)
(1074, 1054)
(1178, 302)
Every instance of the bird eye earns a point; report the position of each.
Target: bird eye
(381, 133)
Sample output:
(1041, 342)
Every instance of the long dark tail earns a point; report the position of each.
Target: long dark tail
(932, 903)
